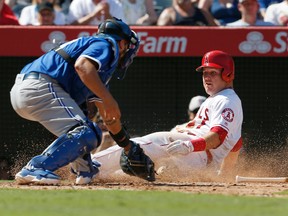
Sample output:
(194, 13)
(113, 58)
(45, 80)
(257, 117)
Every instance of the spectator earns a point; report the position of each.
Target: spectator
(225, 11)
(185, 13)
(139, 12)
(264, 4)
(160, 5)
(62, 5)
(277, 13)
(29, 14)
(46, 14)
(93, 12)
(249, 15)
(193, 108)
(18, 5)
(7, 16)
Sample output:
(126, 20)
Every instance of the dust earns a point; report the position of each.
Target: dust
(172, 179)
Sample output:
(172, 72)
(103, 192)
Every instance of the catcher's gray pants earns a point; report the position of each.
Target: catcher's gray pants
(40, 98)
(37, 97)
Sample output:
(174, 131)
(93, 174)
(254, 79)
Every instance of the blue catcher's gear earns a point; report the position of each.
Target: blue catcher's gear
(85, 169)
(67, 148)
(40, 176)
(119, 30)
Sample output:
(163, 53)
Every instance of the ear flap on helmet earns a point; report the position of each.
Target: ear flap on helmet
(228, 68)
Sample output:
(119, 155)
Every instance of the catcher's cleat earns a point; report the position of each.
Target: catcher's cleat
(87, 177)
(37, 176)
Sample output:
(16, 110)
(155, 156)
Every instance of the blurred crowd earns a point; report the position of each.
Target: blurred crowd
(230, 13)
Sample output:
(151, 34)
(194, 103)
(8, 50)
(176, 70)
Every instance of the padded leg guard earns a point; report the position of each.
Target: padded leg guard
(67, 148)
(85, 169)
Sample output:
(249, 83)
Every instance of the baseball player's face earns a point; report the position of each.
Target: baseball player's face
(124, 46)
(212, 80)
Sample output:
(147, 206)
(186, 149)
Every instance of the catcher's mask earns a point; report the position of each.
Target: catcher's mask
(221, 60)
(119, 30)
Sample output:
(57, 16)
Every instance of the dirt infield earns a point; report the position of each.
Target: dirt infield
(243, 189)
(196, 184)
(201, 183)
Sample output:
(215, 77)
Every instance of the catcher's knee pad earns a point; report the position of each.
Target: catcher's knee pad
(67, 148)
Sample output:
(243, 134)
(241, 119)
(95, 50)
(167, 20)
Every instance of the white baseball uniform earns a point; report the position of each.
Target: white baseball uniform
(223, 110)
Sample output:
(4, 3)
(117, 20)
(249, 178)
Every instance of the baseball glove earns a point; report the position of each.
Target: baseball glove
(137, 163)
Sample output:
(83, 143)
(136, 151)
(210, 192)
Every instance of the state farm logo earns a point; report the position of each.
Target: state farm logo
(151, 44)
(58, 37)
(162, 44)
(55, 38)
(256, 43)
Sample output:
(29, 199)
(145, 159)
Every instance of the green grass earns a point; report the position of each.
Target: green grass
(283, 192)
(135, 203)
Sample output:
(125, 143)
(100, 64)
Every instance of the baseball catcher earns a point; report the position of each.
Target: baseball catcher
(52, 89)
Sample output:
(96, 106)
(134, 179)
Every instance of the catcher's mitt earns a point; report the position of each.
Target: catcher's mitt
(137, 163)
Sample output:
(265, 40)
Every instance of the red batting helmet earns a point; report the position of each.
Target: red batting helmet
(219, 59)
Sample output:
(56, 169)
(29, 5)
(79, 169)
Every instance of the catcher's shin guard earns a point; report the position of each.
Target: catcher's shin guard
(67, 148)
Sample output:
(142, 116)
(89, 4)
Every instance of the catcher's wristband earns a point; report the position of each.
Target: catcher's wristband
(121, 138)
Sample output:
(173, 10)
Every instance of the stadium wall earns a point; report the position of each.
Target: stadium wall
(156, 91)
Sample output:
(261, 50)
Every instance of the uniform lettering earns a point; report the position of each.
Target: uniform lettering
(204, 116)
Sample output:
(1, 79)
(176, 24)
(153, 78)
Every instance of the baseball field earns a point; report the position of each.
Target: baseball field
(136, 197)
(171, 194)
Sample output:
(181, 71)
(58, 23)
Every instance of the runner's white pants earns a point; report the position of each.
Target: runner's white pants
(154, 145)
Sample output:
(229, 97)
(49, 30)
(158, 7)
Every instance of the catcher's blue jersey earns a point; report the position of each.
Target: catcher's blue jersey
(102, 50)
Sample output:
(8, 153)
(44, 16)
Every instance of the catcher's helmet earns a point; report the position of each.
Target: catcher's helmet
(219, 59)
(117, 29)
